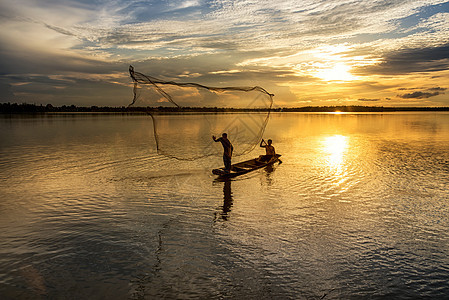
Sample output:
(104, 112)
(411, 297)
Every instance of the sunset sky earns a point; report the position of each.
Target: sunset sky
(309, 52)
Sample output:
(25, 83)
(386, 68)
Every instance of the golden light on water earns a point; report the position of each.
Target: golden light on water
(335, 146)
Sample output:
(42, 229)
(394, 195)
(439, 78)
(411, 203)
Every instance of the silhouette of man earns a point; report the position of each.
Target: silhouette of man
(227, 150)
(269, 150)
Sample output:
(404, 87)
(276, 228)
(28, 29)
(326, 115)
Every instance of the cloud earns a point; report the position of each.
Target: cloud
(286, 25)
(289, 26)
(185, 4)
(60, 30)
(6, 93)
(75, 89)
(405, 61)
(438, 89)
(368, 99)
(430, 92)
(418, 95)
(276, 44)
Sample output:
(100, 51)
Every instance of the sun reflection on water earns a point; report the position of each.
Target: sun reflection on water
(336, 147)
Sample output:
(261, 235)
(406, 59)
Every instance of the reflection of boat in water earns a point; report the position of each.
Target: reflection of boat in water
(246, 166)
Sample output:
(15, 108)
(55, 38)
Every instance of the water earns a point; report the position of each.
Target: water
(358, 209)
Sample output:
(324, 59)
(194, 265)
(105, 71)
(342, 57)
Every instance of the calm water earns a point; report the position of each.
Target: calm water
(359, 208)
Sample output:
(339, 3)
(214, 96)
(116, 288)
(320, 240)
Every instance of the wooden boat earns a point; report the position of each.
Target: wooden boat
(246, 166)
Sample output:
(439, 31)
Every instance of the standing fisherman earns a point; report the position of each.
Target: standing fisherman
(227, 150)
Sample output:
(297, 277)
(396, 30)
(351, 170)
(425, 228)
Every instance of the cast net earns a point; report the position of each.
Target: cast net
(186, 115)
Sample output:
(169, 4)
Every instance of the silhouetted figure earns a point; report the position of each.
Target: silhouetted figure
(227, 150)
(269, 149)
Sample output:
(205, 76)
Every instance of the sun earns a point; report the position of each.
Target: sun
(339, 72)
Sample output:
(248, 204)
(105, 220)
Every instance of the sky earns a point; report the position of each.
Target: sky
(307, 53)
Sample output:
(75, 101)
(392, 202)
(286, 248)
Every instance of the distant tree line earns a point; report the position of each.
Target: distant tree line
(7, 108)
(357, 108)
(33, 108)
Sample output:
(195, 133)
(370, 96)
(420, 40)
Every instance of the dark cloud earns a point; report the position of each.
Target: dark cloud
(71, 90)
(405, 61)
(422, 94)
(220, 71)
(368, 100)
(6, 94)
(438, 89)
(26, 61)
(418, 95)
(213, 69)
(225, 45)
(409, 89)
(59, 29)
(57, 86)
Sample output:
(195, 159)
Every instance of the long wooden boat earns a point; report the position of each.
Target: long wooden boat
(245, 166)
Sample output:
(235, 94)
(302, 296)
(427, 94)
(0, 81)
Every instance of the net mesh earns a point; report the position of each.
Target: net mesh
(186, 115)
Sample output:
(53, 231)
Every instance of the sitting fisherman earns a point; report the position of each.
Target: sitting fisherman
(269, 149)
(227, 150)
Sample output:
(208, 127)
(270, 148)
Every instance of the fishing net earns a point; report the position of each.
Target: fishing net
(186, 115)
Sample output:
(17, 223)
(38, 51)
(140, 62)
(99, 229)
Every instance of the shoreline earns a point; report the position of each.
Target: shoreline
(8, 108)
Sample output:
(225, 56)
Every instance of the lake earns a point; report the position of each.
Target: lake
(358, 208)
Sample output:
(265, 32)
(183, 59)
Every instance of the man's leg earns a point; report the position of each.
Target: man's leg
(227, 163)
(263, 158)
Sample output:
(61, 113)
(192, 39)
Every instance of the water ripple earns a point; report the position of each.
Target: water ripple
(357, 209)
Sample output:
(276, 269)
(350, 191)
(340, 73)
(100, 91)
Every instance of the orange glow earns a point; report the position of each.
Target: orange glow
(339, 72)
(336, 147)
